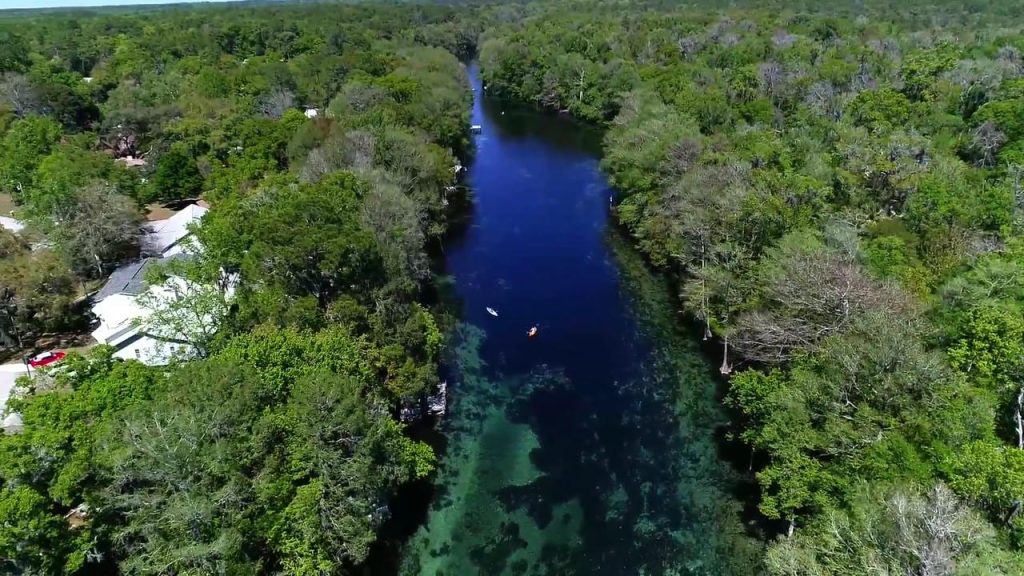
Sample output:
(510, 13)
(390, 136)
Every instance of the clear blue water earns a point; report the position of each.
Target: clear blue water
(591, 448)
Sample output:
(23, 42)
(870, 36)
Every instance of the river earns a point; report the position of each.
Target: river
(590, 448)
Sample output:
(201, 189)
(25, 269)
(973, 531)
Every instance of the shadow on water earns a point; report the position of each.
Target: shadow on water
(513, 121)
(592, 448)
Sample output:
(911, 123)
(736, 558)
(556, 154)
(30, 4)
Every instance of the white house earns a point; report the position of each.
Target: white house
(126, 306)
(156, 323)
(163, 238)
(118, 308)
(131, 161)
(8, 223)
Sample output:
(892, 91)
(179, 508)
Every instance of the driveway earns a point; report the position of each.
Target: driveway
(8, 374)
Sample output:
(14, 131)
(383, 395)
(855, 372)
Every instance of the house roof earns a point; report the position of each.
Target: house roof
(163, 234)
(11, 224)
(12, 424)
(131, 161)
(128, 279)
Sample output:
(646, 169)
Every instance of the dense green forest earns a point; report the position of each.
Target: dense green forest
(837, 193)
(834, 188)
(277, 449)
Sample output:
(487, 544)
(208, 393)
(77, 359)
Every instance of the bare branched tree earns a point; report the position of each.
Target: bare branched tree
(932, 531)
(728, 40)
(17, 93)
(98, 230)
(863, 79)
(1018, 418)
(783, 39)
(348, 151)
(1011, 56)
(689, 46)
(904, 532)
(810, 292)
(825, 99)
(357, 98)
(683, 156)
(275, 103)
(398, 225)
(549, 97)
(701, 210)
(771, 77)
(986, 140)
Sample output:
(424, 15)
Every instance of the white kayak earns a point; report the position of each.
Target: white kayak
(492, 311)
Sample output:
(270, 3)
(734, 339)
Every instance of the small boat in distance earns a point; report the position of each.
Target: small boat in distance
(492, 311)
(532, 332)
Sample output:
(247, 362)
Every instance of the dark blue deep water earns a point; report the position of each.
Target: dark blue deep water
(589, 449)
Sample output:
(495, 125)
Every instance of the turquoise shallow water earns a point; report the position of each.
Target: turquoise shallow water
(591, 448)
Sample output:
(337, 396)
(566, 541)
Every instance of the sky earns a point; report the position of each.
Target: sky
(80, 3)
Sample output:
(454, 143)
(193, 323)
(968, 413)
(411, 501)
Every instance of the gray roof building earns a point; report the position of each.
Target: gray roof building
(131, 278)
(128, 279)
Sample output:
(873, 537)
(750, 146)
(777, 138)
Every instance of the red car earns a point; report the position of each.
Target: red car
(45, 359)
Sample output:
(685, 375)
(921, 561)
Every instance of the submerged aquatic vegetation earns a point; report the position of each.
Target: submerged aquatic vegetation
(590, 449)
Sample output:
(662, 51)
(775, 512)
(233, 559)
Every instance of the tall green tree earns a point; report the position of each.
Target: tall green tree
(176, 177)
